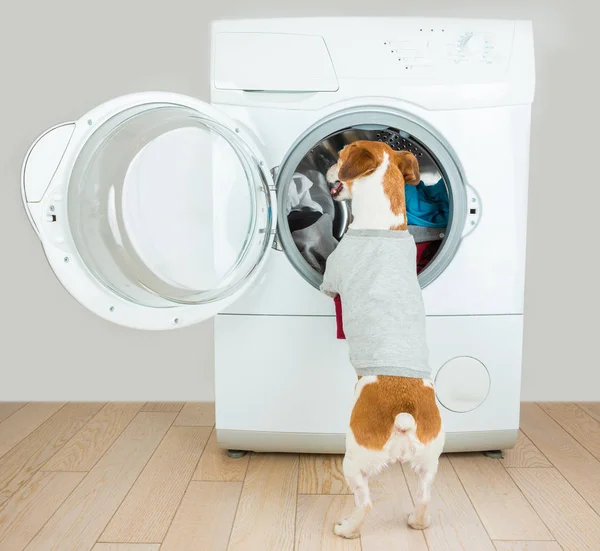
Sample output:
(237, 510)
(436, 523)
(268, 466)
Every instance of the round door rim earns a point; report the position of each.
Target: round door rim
(487, 371)
(377, 111)
(58, 244)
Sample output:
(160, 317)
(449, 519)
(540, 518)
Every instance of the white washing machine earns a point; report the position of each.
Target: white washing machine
(157, 211)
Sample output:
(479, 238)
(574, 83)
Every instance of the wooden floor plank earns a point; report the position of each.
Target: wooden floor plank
(591, 408)
(527, 546)
(322, 474)
(265, 518)
(205, 517)
(78, 523)
(127, 547)
(571, 520)
(167, 407)
(83, 451)
(455, 524)
(501, 506)
(196, 414)
(147, 512)
(24, 421)
(386, 527)
(575, 463)
(26, 458)
(28, 510)
(581, 426)
(8, 408)
(149, 481)
(217, 466)
(524, 454)
(316, 516)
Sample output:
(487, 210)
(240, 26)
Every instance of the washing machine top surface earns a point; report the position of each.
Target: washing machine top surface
(436, 63)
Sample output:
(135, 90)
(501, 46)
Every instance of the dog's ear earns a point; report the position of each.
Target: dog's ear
(409, 166)
(360, 162)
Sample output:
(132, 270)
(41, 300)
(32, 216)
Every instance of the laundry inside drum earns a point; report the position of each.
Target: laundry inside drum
(317, 222)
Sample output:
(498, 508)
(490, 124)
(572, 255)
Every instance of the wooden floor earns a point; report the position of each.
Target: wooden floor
(135, 477)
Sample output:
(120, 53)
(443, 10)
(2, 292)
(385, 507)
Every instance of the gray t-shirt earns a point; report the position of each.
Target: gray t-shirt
(374, 272)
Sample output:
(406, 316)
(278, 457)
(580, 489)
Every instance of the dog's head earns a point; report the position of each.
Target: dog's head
(361, 159)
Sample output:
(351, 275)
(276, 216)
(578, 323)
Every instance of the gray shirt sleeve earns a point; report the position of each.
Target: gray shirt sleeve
(330, 284)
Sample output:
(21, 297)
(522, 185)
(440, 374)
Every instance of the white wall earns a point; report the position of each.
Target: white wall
(60, 58)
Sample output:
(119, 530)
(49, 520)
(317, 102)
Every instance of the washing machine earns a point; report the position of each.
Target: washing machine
(157, 211)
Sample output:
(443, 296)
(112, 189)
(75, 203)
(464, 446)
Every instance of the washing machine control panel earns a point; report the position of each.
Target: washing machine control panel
(464, 49)
(448, 52)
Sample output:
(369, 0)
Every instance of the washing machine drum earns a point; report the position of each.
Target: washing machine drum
(158, 211)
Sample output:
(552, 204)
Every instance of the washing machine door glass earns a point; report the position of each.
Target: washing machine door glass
(168, 206)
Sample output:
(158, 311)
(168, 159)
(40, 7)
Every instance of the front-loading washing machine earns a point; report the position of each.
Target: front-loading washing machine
(157, 211)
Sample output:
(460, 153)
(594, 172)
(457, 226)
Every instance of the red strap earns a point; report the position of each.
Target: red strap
(338, 317)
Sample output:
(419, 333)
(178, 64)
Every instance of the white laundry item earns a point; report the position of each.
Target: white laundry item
(319, 192)
(298, 196)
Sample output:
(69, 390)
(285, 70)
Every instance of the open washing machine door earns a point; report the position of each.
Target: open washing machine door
(155, 210)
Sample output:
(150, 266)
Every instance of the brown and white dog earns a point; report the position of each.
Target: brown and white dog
(394, 419)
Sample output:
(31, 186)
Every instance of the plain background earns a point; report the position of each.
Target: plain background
(61, 58)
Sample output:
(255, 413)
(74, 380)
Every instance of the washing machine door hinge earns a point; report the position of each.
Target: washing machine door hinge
(276, 240)
(276, 243)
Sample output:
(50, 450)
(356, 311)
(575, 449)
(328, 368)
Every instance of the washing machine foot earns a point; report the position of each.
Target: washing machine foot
(495, 454)
(236, 454)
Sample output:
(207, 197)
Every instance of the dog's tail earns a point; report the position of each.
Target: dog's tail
(405, 422)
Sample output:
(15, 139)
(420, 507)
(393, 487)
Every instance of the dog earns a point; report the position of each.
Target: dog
(395, 417)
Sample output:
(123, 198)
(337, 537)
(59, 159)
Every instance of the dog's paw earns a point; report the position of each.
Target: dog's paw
(419, 523)
(343, 529)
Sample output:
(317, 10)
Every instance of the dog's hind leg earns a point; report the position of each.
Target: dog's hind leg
(359, 484)
(425, 467)
(419, 519)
